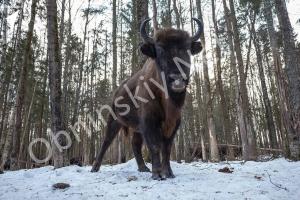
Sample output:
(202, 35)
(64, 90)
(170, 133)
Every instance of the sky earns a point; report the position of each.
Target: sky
(294, 13)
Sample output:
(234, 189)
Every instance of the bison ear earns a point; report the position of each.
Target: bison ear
(196, 47)
(148, 50)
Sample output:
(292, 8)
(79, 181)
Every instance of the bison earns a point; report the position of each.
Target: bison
(148, 105)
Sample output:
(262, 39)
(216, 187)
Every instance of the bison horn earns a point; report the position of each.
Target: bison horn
(199, 31)
(143, 31)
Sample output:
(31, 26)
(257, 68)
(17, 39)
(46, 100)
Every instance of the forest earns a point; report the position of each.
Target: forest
(61, 62)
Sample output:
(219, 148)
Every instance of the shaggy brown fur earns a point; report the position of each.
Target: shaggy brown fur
(171, 35)
(157, 120)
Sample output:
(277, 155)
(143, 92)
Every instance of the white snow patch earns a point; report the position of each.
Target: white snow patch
(195, 180)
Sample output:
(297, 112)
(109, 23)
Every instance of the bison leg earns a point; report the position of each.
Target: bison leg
(137, 142)
(153, 137)
(113, 127)
(166, 153)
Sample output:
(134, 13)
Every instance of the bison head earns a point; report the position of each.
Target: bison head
(171, 49)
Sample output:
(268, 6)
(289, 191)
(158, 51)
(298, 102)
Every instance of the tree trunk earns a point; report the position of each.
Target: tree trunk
(279, 74)
(191, 16)
(3, 67)
(180, 145)
(266, 100)
(169, 14)
(40, 129)
(59, 155)
(243, 87)
(105, 56)
(141, 15)
(214, 152)
(4, 41)
(154, 9)
(15, 63)
(78, 89)
(66, 78)
(177, 15)
(201, 115)
(134, 38)
(233, 66)
(26, 124)
(8, 140)
(225, 110)
(21, 91)
(62, 25)
(114, 44)
(292, 69)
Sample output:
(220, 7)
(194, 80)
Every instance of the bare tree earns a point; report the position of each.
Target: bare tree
(141, 15)
(154, 8)
(78, 89)
(21, 91)
(114, 43)
(214, 152)
(279, 74)
(9, 85)
(292, 69)
(177, 15)
(66, 78)
(249, 142)
(59, 155)
(225, 110)
(266, 99)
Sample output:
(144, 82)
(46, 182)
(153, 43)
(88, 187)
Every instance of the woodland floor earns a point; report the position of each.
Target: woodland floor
(277, 179)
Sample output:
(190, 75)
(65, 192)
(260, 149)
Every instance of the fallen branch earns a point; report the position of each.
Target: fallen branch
(275, 184)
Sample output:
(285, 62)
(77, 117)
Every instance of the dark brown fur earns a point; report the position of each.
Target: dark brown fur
(156, 121)
(170, 35)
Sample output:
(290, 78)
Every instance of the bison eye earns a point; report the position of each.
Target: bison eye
(196, 47)
(148, 50)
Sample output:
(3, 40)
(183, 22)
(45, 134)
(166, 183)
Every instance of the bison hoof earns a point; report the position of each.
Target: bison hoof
(168, 172)
(171, 175)
(144, 169)
(159, 176)
(95, 168)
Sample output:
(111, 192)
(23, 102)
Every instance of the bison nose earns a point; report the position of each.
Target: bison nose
(177, 83)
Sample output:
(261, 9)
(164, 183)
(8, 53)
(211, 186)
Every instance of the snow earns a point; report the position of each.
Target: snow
(277, 179)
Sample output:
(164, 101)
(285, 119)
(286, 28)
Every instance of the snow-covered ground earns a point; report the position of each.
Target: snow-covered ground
(277, 179)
